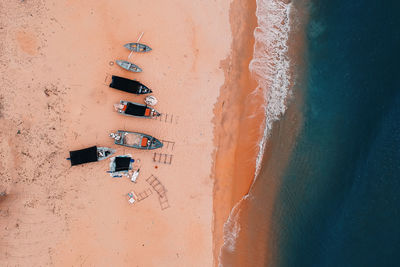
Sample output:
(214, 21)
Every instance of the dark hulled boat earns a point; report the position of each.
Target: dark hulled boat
(90, 154)
(129, 86)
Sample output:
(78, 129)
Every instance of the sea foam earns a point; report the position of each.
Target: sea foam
(270, 67)
(270, 63)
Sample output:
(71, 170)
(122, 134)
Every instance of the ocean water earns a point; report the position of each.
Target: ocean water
(327, 187)
(338, 203)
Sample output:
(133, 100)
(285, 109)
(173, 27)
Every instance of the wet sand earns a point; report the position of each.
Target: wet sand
(239, 116)
(56, 61)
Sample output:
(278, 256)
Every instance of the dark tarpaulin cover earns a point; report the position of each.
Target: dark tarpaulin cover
(83, 156)
(136, 110)
(122, 163)
(125, 85)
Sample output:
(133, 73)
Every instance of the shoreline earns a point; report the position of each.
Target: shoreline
(256, 211)
(256, 244)
(236, 146)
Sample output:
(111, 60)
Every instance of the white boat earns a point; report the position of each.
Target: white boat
(137, 47)
(128, 66)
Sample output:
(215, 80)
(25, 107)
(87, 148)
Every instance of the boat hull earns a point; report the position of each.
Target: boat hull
(90, 154)
(129, 86)
(137, 47)
(136, 140)
(128, 66)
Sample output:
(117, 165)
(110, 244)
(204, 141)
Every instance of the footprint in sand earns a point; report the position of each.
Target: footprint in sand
(27, 42)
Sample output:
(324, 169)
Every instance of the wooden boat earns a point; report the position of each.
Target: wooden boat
(130, 86)
(135, 110)
(128, 66)
(90, 154)
(137, 47)
(135, 140)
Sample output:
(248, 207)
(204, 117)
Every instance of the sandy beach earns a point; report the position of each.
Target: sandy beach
(57, 58)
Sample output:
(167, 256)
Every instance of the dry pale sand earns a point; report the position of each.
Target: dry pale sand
(55, 64)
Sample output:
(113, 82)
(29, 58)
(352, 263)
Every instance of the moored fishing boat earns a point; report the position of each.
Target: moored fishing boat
(128, 66)
(90, 154)
(129, 86)
(136, 140)
(135, 110)
(137, 47)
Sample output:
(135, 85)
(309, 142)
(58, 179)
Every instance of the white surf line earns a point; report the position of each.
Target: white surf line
(271, 69)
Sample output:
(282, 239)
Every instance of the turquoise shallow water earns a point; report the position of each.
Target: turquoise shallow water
(339, 202)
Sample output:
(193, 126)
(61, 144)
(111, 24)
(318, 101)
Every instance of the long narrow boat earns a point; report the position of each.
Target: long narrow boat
(90, 154)
(137, 47)
(136, 140)
(128, 66)
(130, 86)
(135, 110)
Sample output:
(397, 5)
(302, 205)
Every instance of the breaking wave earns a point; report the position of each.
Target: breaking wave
(232, 229)
(270, 63)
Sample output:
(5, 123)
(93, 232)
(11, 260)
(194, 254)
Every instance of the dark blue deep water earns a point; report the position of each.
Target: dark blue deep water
(339, 204)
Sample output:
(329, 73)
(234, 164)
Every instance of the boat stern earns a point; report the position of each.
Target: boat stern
(104, 153)
(117, 138)
(120, 107)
